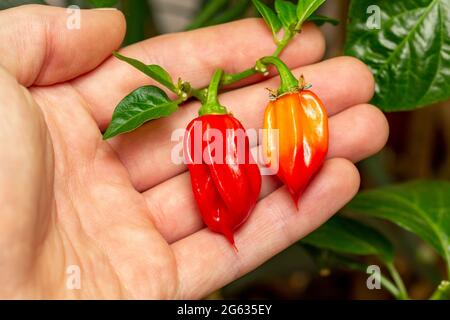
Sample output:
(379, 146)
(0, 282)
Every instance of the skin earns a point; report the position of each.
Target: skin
(121, 210)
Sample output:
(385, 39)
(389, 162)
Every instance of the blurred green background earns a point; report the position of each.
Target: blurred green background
(418, 148)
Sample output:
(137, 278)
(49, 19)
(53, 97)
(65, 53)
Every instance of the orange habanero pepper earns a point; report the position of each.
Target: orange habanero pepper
(295, 139)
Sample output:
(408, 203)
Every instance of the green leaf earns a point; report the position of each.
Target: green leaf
(321, 20)
(103, 3)
(422, 207)
(408, 51)
(269, 16)
(348, 236)
(287, 13)
(153, 71)
(144, 104)
(305, 8)
(5, 4)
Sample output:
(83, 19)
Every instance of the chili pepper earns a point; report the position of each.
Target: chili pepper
(296, 137)
(225, 180)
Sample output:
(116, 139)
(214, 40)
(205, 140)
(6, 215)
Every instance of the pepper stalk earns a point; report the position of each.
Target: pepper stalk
(212, 104)
(288, 82)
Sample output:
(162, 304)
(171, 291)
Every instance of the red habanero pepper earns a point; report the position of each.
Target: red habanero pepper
(295, 139)
(225, 179)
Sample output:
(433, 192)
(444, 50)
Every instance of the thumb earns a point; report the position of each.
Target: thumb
(26, 180)
(44, 45)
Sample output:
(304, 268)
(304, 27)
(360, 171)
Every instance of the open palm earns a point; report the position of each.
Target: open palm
(121, 211)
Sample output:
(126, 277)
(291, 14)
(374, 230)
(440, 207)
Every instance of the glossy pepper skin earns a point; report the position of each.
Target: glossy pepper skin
(301, 145)
(226, 184)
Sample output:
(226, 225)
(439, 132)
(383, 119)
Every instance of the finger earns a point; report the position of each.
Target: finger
(146, 152)
(42, 45)
(355, 134)
(194, 56)
(207, 261)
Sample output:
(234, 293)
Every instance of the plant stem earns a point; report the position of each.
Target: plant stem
(288, 36)
(442, 291)
(389, 286)
(288, 82)
(212, 105)
(447, 260)
(199, 94)
(227, 79)
(230, 78)
(348, 263)
(403, 294)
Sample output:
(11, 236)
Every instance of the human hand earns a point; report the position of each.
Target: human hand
(121, 210)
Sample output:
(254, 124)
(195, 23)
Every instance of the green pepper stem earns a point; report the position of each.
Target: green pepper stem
(230, 78)
(283, 42)
(288, 82)
(212, 105)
